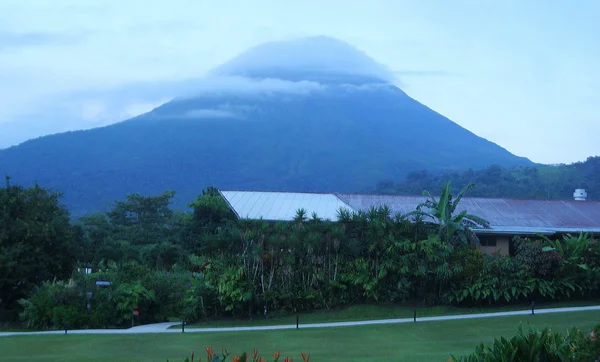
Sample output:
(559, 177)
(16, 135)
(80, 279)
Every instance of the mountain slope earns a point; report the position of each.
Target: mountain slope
(338, 131)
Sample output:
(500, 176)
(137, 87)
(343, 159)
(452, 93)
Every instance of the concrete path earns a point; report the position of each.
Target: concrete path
(164, 327)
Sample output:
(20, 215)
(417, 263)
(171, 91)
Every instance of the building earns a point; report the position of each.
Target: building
(507, 217)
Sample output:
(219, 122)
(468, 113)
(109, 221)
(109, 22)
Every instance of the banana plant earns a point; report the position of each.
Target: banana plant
(442, 211)
(571, 248)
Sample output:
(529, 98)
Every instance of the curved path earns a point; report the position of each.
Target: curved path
(164, 327)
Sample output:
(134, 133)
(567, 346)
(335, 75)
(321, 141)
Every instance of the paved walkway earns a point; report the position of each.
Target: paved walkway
(164, 327)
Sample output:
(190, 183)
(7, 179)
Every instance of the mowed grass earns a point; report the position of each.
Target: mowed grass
(372, 312)
(421, 341)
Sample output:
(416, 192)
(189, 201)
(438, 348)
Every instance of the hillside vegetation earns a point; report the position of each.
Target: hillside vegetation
(540, 182)
(208, 264)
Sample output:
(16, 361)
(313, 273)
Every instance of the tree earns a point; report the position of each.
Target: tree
(143, 219)
(211, 210)
(129, 296)
(452, 227)
(36, 242)
(163, 255)
(92, 233)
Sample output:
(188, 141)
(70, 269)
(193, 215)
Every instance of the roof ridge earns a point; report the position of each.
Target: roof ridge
(337, 194)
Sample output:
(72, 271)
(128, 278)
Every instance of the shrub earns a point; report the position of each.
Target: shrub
(539, 263)
(544, 346)
(591, 255)
(169, 289)
(501, 280)
(52, 305)
(471, 260)
(68, 315)
(130, 296)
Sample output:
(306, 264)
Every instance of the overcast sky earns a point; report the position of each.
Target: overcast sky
(522, 73)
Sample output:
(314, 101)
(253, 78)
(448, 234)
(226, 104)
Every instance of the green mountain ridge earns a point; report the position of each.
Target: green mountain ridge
(330, 141)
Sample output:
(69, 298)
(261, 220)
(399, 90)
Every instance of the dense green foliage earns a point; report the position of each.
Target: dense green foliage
(36, 242)
(542, 346)
(163, 264)
(541, 182)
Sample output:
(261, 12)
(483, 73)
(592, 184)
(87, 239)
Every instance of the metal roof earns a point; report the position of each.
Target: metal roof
(523, 231)
(504, 215)
(282, 205)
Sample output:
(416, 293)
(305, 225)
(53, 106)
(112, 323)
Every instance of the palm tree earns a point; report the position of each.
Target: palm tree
(442, 212)
(300, 216)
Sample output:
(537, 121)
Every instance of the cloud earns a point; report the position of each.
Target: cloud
(83, 109)
(70, 113)
(209, 113)
(226, 86)
(425, 73)
(218, 85)
(105, 111)
(312, 55)
(8, 39)
(136, 108)
(92, 110)
(203, 113)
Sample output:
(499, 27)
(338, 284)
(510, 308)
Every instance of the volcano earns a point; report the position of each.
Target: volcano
(312, 114)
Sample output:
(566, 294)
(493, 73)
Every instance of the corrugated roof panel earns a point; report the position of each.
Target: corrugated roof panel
(276, 205)
(542, 214)
(282, 205)
(535, 230)
(504, 215)
(403, 205)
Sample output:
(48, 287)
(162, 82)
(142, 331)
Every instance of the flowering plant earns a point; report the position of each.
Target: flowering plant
(211, 356)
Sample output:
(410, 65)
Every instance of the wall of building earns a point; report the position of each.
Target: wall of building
(501, 247)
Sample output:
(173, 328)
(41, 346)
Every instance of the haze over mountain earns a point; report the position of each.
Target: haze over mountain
(312, 114)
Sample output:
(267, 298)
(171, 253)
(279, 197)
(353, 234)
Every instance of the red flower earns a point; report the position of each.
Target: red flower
(305, 358)
(288, 359)
(260, 359)
(255, 352)
(276, 355)
(235, 359)
(209, 353)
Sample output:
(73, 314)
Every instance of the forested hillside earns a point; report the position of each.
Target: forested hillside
(539, 182)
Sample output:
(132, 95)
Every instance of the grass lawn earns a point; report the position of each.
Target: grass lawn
(425, 341)
(370, 312)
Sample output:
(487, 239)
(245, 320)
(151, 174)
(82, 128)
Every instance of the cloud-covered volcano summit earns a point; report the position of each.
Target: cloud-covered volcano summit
(315, 58)
(310, 114)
